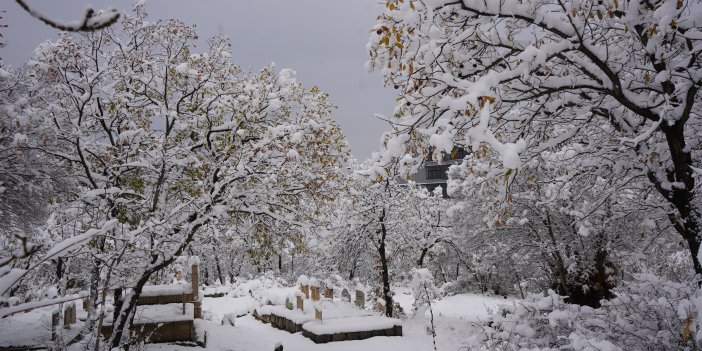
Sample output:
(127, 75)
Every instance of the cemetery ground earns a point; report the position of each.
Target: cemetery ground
(229, 322)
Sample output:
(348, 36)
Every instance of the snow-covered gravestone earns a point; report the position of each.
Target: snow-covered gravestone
(315, 285)
(304, 285)
(318, 314)
(288, 304)
(360, 299)
(69, 315)
(328, 289)
(345, 295)
(300, 303)
(54, 324)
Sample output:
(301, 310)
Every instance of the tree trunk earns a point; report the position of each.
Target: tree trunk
(420, 261)
(387, 294)
(560, 266)
(681, 197)
(219, 270)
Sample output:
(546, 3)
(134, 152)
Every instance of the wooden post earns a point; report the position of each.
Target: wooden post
(195, 278)
(183, 298)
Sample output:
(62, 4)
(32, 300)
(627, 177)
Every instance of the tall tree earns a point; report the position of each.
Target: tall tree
(617, 82)
(166, 143)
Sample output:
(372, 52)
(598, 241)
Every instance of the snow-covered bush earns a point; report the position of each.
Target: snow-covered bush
(648, 313)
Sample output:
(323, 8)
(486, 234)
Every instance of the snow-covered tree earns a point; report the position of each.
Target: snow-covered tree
(167, 144)
(385, 228)
(616, 84)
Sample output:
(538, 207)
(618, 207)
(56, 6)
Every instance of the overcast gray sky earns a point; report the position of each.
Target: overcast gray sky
(322, 40)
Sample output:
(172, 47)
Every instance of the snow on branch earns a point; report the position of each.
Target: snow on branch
(91, 21)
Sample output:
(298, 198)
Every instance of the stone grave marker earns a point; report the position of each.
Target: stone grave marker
(69, 315)
(305, 289)
(360, 299)
(315, 293)
(288, 304)
(54, 324)
(329, 293)
(300, 303)
(345, 295)
(318, 314)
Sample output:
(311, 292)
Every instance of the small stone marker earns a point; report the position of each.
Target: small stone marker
(360, 299)
(288, 304)
(300, 303)
(329, 293)
(86, 301)
(54, 324)
(305, 289)
(318, 314)
(345, 295)
(69, 315)
(315, 293)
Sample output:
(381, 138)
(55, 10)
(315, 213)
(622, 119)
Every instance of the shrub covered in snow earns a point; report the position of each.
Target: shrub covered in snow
(648, 313)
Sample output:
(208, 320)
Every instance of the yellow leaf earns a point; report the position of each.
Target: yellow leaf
(412, 5)
(399, 45)
(686, 330)
(392, 6)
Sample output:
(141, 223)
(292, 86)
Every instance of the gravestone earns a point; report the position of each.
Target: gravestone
(345, 295)
(315, 293)
(318, 314)
(288, 304)
(360, 299)
(54, 324)
(300, 303)
(329, 293)
(69, 315)
(86, 301)
(305, 289)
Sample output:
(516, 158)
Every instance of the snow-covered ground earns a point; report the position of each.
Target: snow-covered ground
(455, 318)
